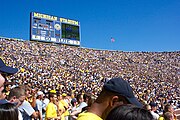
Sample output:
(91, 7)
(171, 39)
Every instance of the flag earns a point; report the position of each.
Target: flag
(112, 39)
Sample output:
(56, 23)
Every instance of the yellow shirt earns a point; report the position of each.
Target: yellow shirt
(61, 107)
(161, 118)
(66, 113)
(88, 116)
(51, 111)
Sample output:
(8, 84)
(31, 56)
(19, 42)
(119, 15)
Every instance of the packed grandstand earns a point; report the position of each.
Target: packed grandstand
(154, 76)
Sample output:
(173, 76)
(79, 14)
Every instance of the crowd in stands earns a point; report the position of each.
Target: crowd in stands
(71, 72)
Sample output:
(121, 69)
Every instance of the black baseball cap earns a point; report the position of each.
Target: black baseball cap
(122, 87)
(7, 69)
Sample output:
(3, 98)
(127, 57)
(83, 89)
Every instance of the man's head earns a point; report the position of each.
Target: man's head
(17, 95)
(169, 108)
(40, 95)
(59, 96)
(64, 95)
(116, 92)
(80, 98)
(74, 102)
(5, 71)
(52, 97)
(153, 106)
(122, 88)
(27, 90)
(168, 116)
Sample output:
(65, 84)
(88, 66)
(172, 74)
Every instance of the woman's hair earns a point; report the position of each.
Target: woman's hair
(167, 107)
(168, 116)
(129, 112)
(8, 111)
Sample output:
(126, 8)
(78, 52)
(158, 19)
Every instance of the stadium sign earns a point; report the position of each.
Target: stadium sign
(48, 28)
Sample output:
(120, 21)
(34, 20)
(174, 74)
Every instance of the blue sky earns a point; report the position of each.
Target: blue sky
(136, 25)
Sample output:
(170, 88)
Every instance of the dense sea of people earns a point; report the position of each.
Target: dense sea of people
(70, 70)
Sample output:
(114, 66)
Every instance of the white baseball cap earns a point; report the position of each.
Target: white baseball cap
(39, 93)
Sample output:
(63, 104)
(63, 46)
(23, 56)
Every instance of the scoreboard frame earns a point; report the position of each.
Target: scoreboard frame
(49, 28)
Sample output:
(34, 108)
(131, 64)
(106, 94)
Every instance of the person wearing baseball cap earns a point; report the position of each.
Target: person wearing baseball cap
(39, 103)
(115, 92)
(5, 71)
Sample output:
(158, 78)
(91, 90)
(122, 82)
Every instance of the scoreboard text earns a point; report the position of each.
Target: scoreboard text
(50, 28)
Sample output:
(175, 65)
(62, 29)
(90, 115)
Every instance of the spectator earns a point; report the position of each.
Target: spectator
(81, 105)
(89, 101)
(154, 110)
(45, 103)
(39, 103)
(26, 109)
(129, 112)
(8, 111)
(51, 109)
(5, 71)
(61, 107)
(168, 109)
(115, 92)
(66, 105)
(74, 104)
(168, 116)
(16, 97)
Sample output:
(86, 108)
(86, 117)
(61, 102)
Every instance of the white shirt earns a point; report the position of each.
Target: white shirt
(155, 115)
(20, 115)
(26, 110)
(39, 104)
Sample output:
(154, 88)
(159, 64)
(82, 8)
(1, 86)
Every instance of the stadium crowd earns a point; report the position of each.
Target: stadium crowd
(72, 71)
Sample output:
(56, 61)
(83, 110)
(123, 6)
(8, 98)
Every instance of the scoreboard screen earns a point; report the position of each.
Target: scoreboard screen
(70, 31)
(48, 28)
